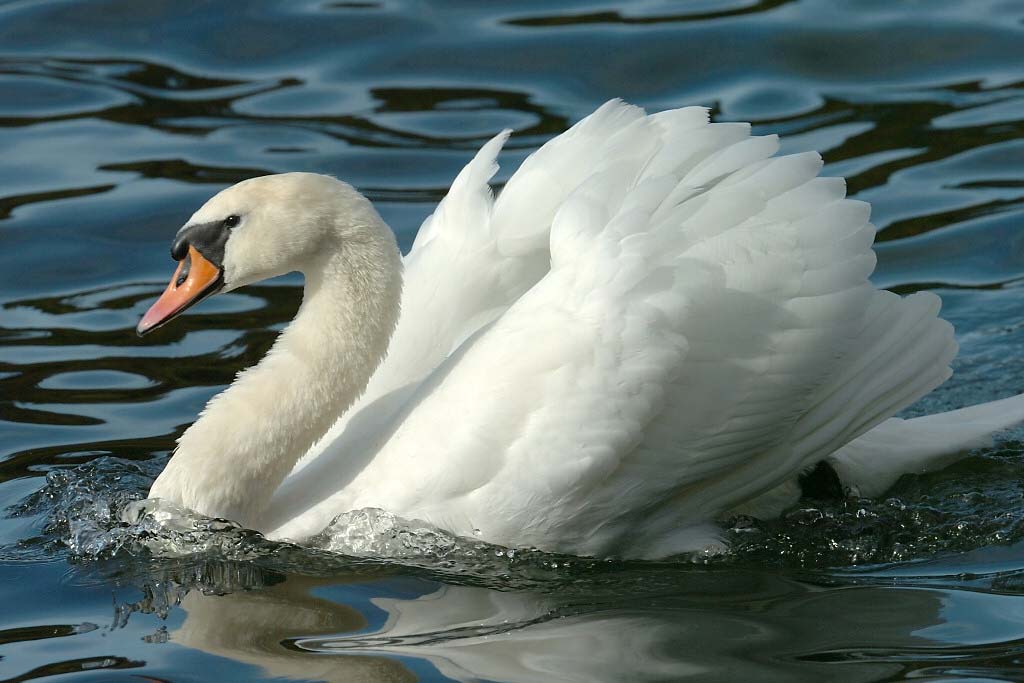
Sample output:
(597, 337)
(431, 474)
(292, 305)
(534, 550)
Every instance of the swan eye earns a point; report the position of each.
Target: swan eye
(232, 221)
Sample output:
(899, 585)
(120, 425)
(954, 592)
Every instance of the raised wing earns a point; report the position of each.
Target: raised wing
(474, 256)
(705, 331)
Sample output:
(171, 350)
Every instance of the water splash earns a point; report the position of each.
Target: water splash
(976, 503)
(372, 532)
(378, 536)
(81, 506)
(98, 510)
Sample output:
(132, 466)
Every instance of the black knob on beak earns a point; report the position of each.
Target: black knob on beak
(206, 238)
(179, 249)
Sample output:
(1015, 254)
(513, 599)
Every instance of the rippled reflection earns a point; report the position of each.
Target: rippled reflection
(331, 630)
(466, 633)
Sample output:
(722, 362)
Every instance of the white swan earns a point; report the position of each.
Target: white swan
(656, 322)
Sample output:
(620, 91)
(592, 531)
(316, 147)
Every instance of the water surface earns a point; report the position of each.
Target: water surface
(118, 118)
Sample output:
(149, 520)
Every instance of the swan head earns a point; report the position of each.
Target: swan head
(258, 229)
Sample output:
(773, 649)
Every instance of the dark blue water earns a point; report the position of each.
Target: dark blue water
(118, 118)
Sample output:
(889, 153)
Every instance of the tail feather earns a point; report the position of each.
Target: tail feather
(873, 462)
(904, 353)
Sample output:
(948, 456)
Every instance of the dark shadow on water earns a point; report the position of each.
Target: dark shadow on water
(620, 18)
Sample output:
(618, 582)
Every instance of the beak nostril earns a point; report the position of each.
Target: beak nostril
(186, 266)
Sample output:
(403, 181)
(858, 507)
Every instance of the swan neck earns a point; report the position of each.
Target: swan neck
(249, 437)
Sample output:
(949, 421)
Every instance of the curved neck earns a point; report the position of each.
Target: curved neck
(247, 439)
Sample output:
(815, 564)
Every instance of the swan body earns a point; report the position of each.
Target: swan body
(655, 323)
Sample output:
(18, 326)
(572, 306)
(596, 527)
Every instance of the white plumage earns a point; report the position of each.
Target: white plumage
(656, 322)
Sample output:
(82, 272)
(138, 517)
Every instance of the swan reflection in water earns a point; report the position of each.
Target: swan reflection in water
(300, 630)
(467, 633)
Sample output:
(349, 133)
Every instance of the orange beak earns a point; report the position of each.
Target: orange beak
(194, 280)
